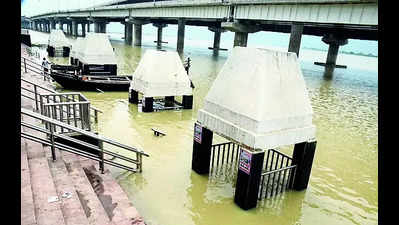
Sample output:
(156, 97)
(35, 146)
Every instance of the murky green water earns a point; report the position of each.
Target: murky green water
(343, 184)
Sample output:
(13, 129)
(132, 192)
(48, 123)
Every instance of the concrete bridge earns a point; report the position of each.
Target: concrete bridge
(335, 21)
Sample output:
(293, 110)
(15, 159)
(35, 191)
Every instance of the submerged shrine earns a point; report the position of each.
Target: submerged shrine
(58, 44)
(95, 55)
(75, 51)
(161, 75)
(259, 102)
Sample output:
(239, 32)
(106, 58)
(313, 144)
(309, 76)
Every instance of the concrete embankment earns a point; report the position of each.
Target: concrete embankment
(69, 190)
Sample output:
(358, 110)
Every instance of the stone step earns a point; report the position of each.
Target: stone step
(27, 204)
(71, 207)
(43, 188)
(115, 201)
(92, 206)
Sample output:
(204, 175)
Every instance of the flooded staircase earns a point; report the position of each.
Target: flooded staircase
(69, 190)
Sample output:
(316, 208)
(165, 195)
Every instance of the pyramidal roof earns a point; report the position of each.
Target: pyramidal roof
(259, 99)
(161, 73)
(96, 49)
(77, 45)
(57, 39)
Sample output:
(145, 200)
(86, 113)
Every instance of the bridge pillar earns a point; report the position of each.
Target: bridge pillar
(103, 27)
(60, 25)
(88, 26)
(180, 35)
(96, 27)
(100, 27)
(216, 38)
(295, 38)
(69, 28)
(128, 33)
(83, 24)
(240, 39)
(160, 26)
(334, 42)
(138, 29)
(52, 23)
(74, 28)
(241, 31)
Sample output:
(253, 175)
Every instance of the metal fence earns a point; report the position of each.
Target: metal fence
(72, 108)
(42, 95)
(224, 153)
(278, 174)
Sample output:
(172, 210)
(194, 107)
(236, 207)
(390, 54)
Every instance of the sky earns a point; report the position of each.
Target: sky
(34, 7)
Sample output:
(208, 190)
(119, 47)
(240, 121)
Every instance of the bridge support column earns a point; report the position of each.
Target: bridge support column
(216, 39)
(103, 28)
(138, 29)
(295, 38)
(202, 146)
(83, 29)
(74, 28)
(69, 28)
(240, 39)
(128, 33)
(96, 27)
(160, 26)
(248, 178)
(241, 31)
(180, 35)
(52, 24)
(88, 26)
(100, 27)
(334, 42)
(60, 25)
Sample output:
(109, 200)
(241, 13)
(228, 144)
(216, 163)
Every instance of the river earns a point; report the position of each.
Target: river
(343, 187)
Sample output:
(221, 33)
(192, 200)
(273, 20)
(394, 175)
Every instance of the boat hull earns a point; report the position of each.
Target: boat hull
(76, 83)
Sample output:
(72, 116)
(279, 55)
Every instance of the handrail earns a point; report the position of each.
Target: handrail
(35, 85)
(277, 170)
(89, 134)
(138, 161)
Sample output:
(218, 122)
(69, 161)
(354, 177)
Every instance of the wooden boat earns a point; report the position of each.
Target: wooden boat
(68, 78)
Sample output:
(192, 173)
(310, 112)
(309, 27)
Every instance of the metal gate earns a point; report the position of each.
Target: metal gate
(278, 172)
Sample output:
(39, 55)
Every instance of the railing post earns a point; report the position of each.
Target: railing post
(35, 90)
(52, 142)
(101, 164)
(25, 65)
(95, 116)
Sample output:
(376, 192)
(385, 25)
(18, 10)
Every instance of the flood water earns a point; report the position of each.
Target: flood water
(343, 187)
